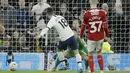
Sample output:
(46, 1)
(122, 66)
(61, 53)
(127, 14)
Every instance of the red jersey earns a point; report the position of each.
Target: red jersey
(97, 24)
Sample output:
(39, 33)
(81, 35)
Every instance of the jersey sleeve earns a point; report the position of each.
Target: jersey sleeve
(48, 5)
(83, 24)
(33, 9)
(82, 30)
(85, 18)
(50, 24)
(105, 25)
(104, 19)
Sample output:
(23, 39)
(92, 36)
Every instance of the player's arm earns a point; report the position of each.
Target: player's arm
(83, 25)
(44, 31)
(33, 11)
(106, 29)
(105, 25)
(82, 30)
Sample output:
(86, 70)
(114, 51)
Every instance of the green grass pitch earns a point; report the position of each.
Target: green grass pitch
(60, 72)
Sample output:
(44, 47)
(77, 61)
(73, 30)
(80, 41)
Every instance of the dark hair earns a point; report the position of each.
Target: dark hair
(10, 53)
(49, 11)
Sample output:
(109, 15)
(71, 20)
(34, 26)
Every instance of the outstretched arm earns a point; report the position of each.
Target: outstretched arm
(44, 31)
(83, 27)
(49, 26)
(82, 30)
(106, 29)
(105, 25)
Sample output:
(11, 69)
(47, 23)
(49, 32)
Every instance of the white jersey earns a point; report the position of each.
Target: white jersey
(62, 27)
(38, 9)
(118, 6)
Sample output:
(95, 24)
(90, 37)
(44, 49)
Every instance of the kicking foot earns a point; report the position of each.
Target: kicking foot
(52, 70)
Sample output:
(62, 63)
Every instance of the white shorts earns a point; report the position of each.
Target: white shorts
(92, 45)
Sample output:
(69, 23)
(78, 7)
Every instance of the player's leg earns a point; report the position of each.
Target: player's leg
(54, 68)
(57, 62)
(91, 46)
(60, 53)
(74, 47)
(99, 54)
(56, 65)
(66, 54)
(61, 58)
(79, 60)
(84, 55)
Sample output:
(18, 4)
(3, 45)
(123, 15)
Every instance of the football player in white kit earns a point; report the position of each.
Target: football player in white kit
(66, 36)
(38, 9)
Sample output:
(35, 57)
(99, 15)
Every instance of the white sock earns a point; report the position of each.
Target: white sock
(61, 58)
(79, 60)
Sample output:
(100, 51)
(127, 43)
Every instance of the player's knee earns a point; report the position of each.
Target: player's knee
(66, 55)
(91, 53)
(76, 51)
(99, 52)
(84, 57)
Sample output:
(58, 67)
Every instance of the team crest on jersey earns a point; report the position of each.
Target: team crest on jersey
(94, 12)
(96, 17)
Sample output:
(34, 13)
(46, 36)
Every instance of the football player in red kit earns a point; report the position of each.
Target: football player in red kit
(96, 21)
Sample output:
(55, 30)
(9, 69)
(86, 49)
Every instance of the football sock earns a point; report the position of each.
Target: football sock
(100, 61)
(61, 58)
(57, 62)
(86, 64)
(79, 60)
(91, 63)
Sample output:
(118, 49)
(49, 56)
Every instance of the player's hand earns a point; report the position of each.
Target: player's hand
(51, 61)
(106, 38)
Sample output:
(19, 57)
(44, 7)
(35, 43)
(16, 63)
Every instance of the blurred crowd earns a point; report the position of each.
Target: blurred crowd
(19, 17)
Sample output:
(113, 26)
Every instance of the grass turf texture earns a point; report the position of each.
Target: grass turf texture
(1, 71)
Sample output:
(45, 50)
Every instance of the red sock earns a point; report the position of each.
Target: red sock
(100, 62)
(91, 63)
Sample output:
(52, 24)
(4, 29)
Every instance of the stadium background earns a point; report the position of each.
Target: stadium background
(18, 22)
